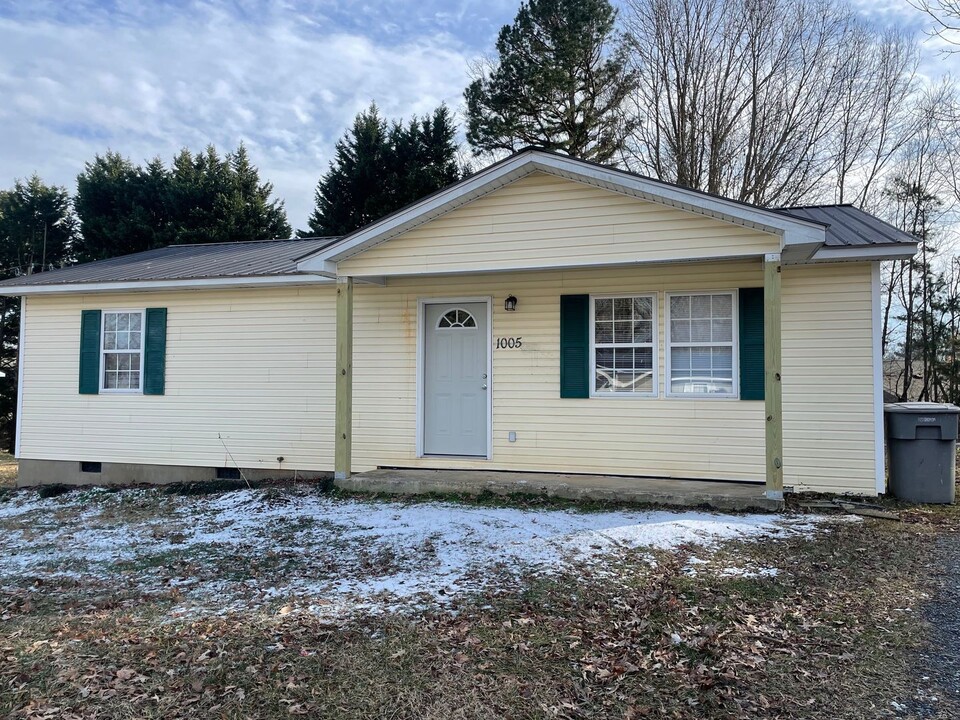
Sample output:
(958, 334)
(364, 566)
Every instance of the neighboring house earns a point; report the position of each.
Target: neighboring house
(545, 314)
(894, 378)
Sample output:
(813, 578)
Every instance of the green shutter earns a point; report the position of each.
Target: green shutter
(90, 352)
(751, 343)
(574, 346)
(155, 352)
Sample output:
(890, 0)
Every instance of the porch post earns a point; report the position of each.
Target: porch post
(344, 411)
(772, 390)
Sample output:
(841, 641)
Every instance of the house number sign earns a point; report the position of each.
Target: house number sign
(509, 343)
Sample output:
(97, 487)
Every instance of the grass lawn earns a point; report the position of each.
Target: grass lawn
(147, 604)
(8, 470)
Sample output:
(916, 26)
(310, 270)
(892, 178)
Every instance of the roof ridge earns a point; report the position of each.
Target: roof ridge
(250, 242)
(819, 205)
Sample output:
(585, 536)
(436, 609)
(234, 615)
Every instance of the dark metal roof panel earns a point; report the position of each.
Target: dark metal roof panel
(187, 262)
(851, 227)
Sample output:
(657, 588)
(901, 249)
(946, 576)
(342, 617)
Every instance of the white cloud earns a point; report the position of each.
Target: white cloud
(147, 77)
(146, 83)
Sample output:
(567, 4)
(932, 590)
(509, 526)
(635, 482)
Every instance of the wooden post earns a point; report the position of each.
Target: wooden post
(344, 411)
(772, 389)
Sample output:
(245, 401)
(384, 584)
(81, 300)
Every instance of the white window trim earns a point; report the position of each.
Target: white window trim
(143, 343)
(654, 344)
(667, 383)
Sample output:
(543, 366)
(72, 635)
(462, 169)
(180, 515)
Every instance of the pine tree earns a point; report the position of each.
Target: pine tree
(560, 82)
(37, 228)
(37, 232)
(255, 215)
(122, 207)
(200, 198)
(357, 186)
(377, 169)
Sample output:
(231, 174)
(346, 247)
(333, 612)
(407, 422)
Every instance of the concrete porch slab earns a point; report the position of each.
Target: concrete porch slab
(611, 488)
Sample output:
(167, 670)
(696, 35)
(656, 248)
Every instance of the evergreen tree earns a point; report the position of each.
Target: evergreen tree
(424, 156)
(37, 232)
(560, 82)
(201, 198)
(37, 228)
(256, 215)
(355, 189)
(377, 169)
(122, 207)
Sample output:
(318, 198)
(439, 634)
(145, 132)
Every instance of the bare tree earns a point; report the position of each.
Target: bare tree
(764, 101)
(946, 18)
(876, 115)
(920, 200)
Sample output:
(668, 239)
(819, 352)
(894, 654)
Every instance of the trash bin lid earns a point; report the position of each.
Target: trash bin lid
(921, 408)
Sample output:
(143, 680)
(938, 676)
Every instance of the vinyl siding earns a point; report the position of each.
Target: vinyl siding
(253, 366)
(828, 393)
(257, 367)
(829, 434)
(543, 219)
(703, 438)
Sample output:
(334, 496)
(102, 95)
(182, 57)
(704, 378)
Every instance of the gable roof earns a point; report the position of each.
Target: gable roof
(255, 262)
(816, 232)
(800, 236)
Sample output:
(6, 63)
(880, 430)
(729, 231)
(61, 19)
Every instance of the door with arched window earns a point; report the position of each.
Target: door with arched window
(455, 381)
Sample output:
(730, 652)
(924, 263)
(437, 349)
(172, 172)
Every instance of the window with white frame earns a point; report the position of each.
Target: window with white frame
(701, 354)
(121, 348)
(624, 345)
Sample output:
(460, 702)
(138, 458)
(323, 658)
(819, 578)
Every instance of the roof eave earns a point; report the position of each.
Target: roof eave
(160, 285)
(861, 253)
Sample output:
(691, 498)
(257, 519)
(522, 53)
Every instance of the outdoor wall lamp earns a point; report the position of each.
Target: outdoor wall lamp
(510, 304)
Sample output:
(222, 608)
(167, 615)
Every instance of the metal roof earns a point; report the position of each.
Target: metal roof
(849, 226)
(845, 226)
(259, 258)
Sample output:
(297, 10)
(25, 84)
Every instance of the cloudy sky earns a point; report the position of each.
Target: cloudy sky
(147, 77)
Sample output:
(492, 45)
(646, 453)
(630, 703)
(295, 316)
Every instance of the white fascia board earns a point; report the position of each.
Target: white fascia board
(855, 253)
(793, 231)
(159, 285)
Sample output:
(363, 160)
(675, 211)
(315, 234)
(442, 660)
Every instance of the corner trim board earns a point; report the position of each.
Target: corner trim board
(23, 328)
(881, 474)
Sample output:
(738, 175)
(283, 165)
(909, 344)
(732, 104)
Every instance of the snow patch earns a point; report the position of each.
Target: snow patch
(235, 550)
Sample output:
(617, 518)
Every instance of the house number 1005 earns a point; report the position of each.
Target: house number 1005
(511, 343)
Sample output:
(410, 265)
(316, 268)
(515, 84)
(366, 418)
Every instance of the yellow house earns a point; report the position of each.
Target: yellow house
(544, 315)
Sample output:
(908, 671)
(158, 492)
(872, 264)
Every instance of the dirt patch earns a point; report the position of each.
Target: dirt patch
(801, 625)
(650, 634)
(299, 546)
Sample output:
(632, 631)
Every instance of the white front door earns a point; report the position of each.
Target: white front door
(455, 382)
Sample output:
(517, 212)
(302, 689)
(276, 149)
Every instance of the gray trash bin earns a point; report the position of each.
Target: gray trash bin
(922, 440)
